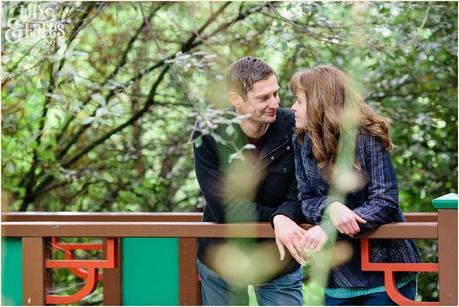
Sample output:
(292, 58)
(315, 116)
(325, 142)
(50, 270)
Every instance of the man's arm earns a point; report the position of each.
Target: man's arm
(285, 223)
(291, 207)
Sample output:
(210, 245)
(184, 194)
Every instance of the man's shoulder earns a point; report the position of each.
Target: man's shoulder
(203, 140)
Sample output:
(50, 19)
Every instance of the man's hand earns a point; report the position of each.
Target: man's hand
(290, 235)
(344, 219)
(315, 239)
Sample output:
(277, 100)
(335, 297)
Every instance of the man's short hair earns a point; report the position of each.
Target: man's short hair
(245, 72)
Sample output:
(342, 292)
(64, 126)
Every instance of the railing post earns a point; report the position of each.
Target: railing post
(189, 288)
(447, 248)
(36, 278)
(112, 280)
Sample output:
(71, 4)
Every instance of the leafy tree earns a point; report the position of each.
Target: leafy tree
(99, 119)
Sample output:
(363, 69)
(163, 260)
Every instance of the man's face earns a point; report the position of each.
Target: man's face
(262, 101)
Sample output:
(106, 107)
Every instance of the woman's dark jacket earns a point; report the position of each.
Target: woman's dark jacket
(377, 203)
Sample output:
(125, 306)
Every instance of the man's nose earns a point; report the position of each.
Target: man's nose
(274, 103)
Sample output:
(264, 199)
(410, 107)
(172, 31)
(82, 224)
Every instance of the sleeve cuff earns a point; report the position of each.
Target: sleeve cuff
(321, 210)
(328, 228)
(279, 213)
(325, 201)
(290, 210)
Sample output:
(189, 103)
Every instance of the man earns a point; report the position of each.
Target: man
(254, 92)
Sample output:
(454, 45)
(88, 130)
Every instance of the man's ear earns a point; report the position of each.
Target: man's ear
(235, 99)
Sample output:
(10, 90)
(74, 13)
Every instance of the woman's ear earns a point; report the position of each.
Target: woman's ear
(235, 99)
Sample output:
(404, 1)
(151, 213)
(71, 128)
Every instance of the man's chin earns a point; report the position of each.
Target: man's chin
(270, 119)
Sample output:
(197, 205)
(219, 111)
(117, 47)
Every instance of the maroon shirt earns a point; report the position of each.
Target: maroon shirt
(258, 144)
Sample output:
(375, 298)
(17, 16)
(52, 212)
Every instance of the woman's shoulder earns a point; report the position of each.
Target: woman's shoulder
(369, 142)
(370, 147)
(302, 140)
(302, 147)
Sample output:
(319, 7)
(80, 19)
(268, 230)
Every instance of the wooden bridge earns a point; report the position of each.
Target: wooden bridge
(150, 258)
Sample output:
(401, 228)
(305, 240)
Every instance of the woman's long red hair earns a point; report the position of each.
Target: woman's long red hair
(328, 91)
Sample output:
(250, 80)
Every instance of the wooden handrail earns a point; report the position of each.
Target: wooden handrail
(418, 230)
(102, 216)
(146, 216)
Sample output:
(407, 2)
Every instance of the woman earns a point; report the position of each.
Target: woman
(322, 95)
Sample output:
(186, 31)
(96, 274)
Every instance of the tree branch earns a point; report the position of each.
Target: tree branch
(29, 178)
(194, 40)
(184, 48)
(136, 116)
(120, 65)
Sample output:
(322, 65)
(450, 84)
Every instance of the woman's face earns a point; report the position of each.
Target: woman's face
(299, 108)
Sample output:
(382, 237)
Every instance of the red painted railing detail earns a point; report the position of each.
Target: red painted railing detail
(389, 279)
(85, 269)
(68, 249)
(88, 288)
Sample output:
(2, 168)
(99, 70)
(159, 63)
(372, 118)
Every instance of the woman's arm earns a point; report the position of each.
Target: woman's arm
(381, 206)
(312, 204)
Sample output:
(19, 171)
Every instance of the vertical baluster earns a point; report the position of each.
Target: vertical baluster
(36, 278)
(447, 248)
(190, 290)
(112, 279)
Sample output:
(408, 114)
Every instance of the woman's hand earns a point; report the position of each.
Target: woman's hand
(315, 239)
(344, 219)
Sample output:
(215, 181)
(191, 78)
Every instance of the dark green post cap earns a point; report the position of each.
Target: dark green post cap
(448, 201)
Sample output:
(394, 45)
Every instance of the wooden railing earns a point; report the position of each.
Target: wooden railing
(37, 229)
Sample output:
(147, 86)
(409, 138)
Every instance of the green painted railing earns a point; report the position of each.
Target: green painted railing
(448, 201)
(11, 272)
(150, 271)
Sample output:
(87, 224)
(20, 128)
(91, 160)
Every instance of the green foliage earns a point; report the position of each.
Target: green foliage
(100, 119)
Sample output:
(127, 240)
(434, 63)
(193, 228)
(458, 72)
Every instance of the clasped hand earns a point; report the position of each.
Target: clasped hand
(344, 219)
(301, 243)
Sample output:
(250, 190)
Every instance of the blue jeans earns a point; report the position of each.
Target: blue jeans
(375, 299)
(282, 291)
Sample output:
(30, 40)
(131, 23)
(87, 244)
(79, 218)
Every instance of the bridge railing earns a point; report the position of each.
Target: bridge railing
(150, 258)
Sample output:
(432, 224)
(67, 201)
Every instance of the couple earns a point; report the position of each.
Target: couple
(294, 150)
